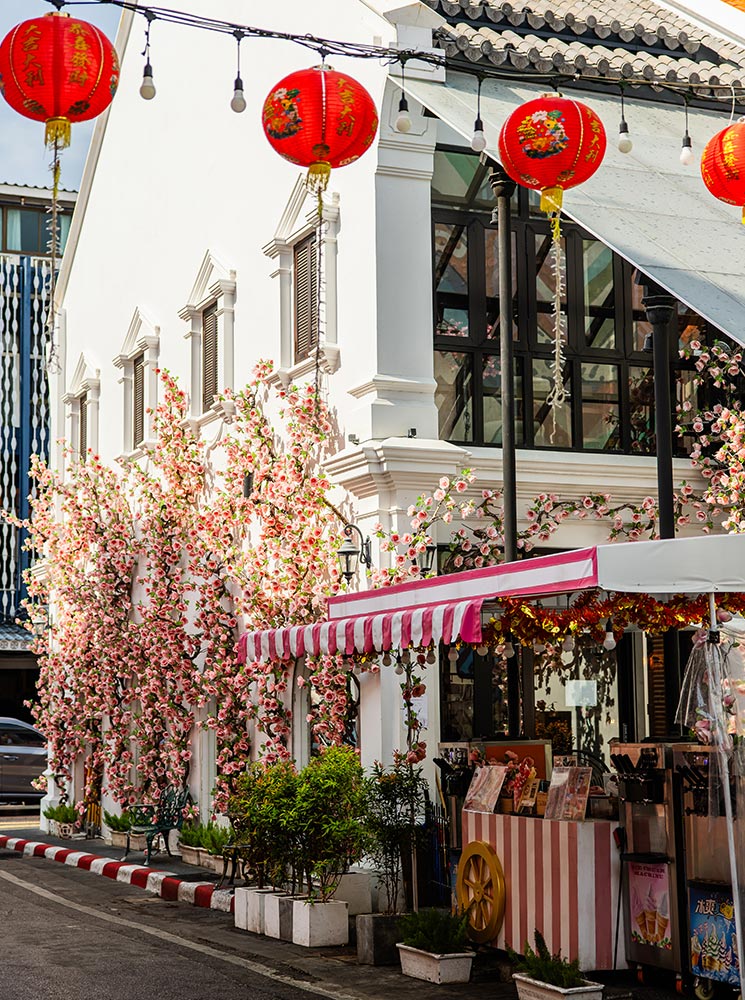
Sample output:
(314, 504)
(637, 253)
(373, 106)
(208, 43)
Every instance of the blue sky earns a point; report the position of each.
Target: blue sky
(23, 158)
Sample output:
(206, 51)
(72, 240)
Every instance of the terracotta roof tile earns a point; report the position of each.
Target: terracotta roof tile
(615, 39)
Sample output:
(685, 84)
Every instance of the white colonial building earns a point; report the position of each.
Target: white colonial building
(189, 250)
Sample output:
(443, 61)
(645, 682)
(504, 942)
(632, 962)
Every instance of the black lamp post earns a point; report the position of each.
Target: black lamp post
(504, 187)
(350, 554)
(660, 306)
(426, 559)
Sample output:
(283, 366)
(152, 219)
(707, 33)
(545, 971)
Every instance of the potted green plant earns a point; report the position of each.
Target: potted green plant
(261, 812)
(62, 820)
(214, 839)
(395, 797)
(543, 976)
(433, 946)
(328, 821)
(191, 843)
(118, 825)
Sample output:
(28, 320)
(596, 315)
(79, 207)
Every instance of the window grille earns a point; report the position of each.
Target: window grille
(138, 400)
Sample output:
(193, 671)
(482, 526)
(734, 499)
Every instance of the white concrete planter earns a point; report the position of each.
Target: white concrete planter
(191, 855)
(320, 925)
(278, 916)
(213, 862)
(453, 968)
(118, 838)
(53, 827)
(534, 989)
(248, 909)
(355, 889)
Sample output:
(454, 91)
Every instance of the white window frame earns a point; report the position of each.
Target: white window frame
(143, 338)
(85, 382)
(297, 223)
(214, 285)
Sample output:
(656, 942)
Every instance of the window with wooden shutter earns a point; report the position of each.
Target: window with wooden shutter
(305, 280)
(138, 400)
(209, 357)
(83, 427)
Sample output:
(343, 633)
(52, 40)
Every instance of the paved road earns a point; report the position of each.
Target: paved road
(66, 934)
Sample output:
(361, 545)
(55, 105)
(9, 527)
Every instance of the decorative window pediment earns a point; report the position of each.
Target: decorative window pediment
(81, 407)
(138, 360)
(300, 344)
(210, 313)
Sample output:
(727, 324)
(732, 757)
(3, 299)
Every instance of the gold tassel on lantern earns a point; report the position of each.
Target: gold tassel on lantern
(58, 133)
(318, 176)
(551, 200)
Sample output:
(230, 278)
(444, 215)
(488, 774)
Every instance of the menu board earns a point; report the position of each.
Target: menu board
(486, 784)
(713, 939)
(568, 793)
(649, 903)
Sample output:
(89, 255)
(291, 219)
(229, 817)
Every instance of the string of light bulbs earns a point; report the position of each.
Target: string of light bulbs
(326, 47)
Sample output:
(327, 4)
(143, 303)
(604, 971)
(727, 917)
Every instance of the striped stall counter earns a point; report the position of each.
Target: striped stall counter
(561, 877)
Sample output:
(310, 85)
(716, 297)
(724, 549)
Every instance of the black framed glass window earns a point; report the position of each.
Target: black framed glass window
(607, 369)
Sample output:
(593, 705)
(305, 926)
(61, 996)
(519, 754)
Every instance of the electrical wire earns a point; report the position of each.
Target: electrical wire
(702, 92)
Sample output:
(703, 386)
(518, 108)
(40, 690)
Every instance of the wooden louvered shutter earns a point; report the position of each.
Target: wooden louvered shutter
(305, 279)
(138, 400)
(83, 427)
(209, 357)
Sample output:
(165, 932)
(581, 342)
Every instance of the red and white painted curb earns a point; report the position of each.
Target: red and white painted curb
(159, 883)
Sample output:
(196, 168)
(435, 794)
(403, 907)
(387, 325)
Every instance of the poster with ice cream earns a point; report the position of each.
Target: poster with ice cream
(713, 938)
(649, 895)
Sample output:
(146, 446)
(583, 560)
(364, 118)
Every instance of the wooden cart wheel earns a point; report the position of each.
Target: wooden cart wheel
(480, 890)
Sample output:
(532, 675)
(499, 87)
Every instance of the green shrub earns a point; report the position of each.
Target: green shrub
(191, 835)
(119, 824)
(437, 931)
(262, 814)
(215, 838)
(329, 818)
(547, 968)
(62, 814)
(395, 798)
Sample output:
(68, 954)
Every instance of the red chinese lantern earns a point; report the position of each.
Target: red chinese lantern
(57, 69)
(723, 165)
(319, 119)
(550, 144)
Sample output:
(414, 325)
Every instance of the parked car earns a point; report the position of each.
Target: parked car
(23, 757)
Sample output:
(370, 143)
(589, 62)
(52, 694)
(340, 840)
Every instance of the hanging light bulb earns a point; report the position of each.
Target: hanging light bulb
(452, 654)
(238, 103)
(686, 151)
(538, 647)
(686, 148)
(399, 669)
(478, 139)
(403, 122)
(147, 87)
(431, 656)
(406, 656)
(609, 642)
(482, 650)
(568, 644)
(509, 649)
(386, 659)
(625, 145)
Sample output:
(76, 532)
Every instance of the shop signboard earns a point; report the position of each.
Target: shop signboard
(649, 895)
(713, 940)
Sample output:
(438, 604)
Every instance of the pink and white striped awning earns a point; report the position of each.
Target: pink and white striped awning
(448, 608)
(418, 626)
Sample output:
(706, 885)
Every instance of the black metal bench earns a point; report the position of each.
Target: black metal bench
(159, 819)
